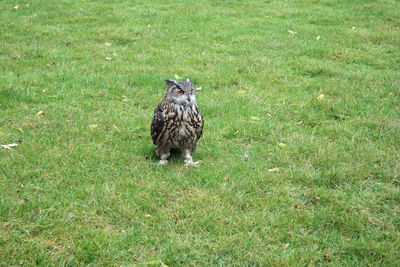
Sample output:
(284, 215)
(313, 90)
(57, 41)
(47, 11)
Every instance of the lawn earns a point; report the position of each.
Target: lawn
(300, 153)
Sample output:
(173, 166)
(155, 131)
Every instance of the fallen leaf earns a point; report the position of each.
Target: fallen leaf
(269, 115)
(147, 216)
(291, 32)
(20, 129)
(287, 245)
(177, 77)
(226, 179)
(16, 7)
(15, 57)
(282, 144)
(154, 262)
(375, 221)
(41, 113)
(318, 37)
(9, 146)
(108, 44)
(320, 97)
(198, 89)
(123, 98)
(254, 118)
(1, 133)
(108, 58)
(246, 157)
(290, 233)
(327, 257)
(274, 170)
(93, 126)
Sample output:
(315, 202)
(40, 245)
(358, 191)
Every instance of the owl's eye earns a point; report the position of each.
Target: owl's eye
(180, 92)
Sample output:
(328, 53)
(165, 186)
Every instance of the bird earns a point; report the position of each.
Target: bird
(177, 122)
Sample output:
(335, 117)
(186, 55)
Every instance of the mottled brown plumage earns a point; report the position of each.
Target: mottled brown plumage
(177, 122)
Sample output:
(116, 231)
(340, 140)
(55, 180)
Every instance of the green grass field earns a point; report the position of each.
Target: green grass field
(310, 87)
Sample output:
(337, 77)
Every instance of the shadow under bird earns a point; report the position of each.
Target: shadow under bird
(177, 122)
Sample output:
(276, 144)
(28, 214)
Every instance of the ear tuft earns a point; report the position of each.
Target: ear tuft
(189, 81)
(170, 82)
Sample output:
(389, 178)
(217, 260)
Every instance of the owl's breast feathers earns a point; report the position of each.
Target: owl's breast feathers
(177, 124)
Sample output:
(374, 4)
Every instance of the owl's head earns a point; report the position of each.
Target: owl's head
(183, 93)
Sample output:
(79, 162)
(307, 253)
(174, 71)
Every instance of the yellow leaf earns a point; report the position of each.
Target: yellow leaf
(320, 97)
(274, 170)
(282, 144)
(255, 118)
(20, 129)
(153, 262)
(1, 133)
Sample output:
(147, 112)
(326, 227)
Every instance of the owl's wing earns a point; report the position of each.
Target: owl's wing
(158, 124)
(200, 124)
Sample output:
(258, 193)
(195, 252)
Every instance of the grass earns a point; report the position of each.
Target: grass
(310, 87)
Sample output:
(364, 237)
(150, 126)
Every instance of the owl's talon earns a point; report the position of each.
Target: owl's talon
(163, 162)
(191, 163)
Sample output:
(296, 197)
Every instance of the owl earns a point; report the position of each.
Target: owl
(177, 122)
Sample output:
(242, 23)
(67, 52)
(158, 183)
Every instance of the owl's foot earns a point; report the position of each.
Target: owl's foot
(163, 162)
(191, 163)
(163, 158)
(188, 159)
